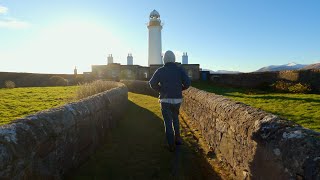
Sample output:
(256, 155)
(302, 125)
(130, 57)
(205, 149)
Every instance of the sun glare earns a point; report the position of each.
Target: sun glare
(70, 43)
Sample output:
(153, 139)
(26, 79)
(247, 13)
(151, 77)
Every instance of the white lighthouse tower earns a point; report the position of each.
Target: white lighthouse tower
(155, 50)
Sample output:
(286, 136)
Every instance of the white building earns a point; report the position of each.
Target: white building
(110, 59)
(185, 58)
(155, 48)
(129, 59)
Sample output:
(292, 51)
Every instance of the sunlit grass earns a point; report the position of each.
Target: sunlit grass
(19, 102)
(300, 108)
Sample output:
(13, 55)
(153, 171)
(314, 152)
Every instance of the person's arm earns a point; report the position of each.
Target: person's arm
(154, 81)
(185, 80)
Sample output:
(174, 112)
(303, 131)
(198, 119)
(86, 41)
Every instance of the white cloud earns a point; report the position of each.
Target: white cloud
(13, 23)
(9, 22)
(3, 10)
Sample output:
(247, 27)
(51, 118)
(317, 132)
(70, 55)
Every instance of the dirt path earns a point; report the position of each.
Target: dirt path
(136, 149)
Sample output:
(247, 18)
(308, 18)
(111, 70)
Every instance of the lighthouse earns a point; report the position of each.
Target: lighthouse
(154, 49)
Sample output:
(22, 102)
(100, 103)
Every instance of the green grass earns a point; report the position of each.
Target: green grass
(300, 108)
(19, 102)
(136, 149)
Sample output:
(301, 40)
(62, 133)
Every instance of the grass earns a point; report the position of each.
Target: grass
(19, 102)
(300, 108)
(136, 149)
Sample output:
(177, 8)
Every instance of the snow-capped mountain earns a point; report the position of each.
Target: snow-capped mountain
(221, 71)
(225, 72)
(289, 66)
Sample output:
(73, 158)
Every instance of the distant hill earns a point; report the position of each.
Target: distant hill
(290, 66)
(221, 71)
(312, 66)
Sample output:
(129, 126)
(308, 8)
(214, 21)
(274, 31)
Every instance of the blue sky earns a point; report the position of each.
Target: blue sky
(239, 35)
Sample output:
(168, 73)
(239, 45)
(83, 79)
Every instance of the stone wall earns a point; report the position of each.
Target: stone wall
(266, 79)
(244, 80)
(31, 79)
(192, 70)
(253, 143)
(48, 144)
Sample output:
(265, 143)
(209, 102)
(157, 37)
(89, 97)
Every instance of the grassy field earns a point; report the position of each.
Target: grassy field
(136, 149)
(18, 102)
(300, 108)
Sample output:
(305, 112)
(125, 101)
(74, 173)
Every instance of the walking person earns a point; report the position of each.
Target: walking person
(170, 80)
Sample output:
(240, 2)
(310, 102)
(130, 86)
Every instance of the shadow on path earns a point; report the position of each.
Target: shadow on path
(136, 149)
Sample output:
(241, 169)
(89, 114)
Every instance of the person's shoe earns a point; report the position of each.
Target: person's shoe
(172, 148)
(178, 140)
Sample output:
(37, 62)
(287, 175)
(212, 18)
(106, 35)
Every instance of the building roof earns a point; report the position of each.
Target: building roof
(154, 14)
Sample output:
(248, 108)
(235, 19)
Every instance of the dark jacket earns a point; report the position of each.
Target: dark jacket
(169, 80)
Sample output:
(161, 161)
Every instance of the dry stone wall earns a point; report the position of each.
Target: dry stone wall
(263, 80)
(253, 143)
(48, 144)
(31, 79)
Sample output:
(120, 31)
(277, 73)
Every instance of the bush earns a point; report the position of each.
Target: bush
(282, 86)
(89, 89)
(9, 84)
(291, 87)
(58, 81)
(299, 88)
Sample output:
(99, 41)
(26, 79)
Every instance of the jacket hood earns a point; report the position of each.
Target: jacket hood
(169, 57)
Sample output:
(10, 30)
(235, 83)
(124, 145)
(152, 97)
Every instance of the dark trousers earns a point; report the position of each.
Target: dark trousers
(170, 113)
